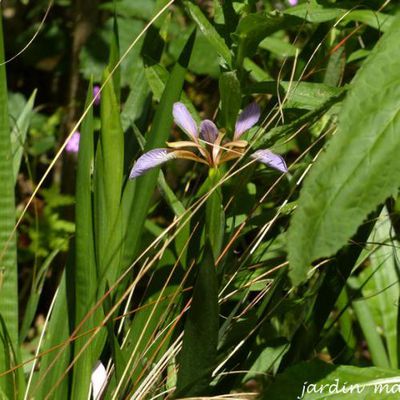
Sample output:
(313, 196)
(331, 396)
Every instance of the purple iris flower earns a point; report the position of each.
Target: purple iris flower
(96, 95)
(209, 145)
(73, 143)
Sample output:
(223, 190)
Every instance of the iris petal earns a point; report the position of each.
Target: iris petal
(184, 120)
(271, 159)
(73, 143)
(247, 119)
(149, 160)
(208, 131)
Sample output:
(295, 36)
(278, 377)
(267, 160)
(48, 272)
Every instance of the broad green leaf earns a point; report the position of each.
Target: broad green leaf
(371, 18)
(255, 71)
(280, 133)
(360, 166)
(200, 340)
(229, 89)
(209, 32)
(303, 95)
(314, 12)
(253, 28)
(358, 55)
(316, 380)
(157, 77)
(267, 359)
(335, 68)
(279, 47)
(18, 133)
(136, 101)
(8, 254)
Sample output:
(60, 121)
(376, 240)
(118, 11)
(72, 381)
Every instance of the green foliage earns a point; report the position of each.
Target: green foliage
(229, 87)
(359, 168)
(368, 383)
(209, 32)
(190, 280)
(200, 341)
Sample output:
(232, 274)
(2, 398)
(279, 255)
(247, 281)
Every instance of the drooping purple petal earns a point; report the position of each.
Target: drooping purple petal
(184, 120)
(149, 160)
(269, 158)
(247, 119)
(208, 131)
(96, 95)
(73, 143)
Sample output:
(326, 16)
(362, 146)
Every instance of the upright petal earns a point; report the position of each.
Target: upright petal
(269, 158)
(184, 120)
(149, 160)
(247, 119)
(208, 131)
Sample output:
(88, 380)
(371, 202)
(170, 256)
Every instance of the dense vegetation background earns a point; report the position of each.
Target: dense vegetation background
(232, 280)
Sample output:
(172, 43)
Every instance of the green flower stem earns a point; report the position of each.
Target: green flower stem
(215, 216)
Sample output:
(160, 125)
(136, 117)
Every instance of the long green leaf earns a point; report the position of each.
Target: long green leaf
(209, 32)
(360, 167)
(381, 291)
(109, 171)
(85, 275)
(200, 339)
(56, 359)
(8, 255)
(368, 326)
